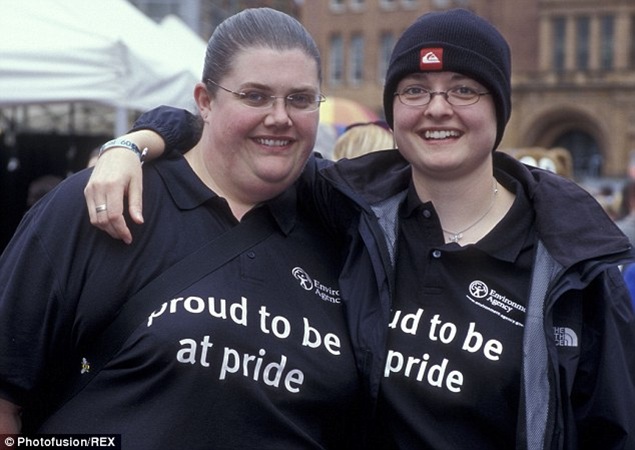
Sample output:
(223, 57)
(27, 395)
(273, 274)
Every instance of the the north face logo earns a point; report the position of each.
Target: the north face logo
(565, 337)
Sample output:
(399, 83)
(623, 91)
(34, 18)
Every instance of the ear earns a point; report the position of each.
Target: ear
(203, 99)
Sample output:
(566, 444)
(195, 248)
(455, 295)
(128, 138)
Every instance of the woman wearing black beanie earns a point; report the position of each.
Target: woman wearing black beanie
(495, 316)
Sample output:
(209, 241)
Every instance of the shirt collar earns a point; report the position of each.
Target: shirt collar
(516, 230)
(189, 192)
(507, 239)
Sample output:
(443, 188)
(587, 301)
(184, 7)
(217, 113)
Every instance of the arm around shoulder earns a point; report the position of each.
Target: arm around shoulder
(118, 174)
(177, 128)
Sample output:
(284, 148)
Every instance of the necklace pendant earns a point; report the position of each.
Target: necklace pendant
(456, 238)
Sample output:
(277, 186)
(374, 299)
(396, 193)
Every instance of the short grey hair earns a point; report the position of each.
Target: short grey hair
(255, 27)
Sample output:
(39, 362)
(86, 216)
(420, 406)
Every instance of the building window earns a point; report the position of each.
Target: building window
(585, 152)
(157, 9)
(559, 43)
(445, 4)
(631, 42)
(582, 43)
(356, 66)
(410, 4)
(336, 60)
(386, 44)
(388, 4)
(337, 5)
(607, 34)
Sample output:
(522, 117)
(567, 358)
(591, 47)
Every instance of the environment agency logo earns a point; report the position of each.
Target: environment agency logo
(478, 289)
(308, 283)
(303, 277)
(495, 302)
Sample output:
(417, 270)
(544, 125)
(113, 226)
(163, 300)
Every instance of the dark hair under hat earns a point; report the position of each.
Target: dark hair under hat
(454, 41)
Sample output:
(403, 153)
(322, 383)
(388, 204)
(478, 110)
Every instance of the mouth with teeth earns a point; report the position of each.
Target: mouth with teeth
(441, 134)
(273, 142)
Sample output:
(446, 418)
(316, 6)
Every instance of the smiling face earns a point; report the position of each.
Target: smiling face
(253, 154)
(441, 140)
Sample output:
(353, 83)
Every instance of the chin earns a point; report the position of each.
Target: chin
(279, 171)
(277, 180)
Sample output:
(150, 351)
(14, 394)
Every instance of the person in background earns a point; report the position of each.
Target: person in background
(629, 279)
(626, 221)
(496, 288)
(41, 186)
(256, 354)
(361, 138)
(92, 157)
(610, 199)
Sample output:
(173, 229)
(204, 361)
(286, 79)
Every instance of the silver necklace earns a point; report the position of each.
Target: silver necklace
(456, 237)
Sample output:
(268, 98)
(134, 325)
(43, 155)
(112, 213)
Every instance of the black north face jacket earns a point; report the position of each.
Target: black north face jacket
(578, 375)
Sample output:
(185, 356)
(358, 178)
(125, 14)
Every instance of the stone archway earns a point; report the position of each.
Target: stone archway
(577, 131)
(585, 152)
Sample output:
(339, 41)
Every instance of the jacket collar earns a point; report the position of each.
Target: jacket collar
(570, 222)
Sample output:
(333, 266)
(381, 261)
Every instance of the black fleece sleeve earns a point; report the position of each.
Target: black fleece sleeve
(179, 128)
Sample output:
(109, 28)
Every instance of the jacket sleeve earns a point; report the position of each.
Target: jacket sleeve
(179, 128)
(603, 396)
(322, 200)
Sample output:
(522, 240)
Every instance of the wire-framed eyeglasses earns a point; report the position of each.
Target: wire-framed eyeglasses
(456, 96)
(254, 98)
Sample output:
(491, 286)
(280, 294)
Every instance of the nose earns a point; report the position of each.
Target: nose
(443, 94)
(278, 113)
(439, 104)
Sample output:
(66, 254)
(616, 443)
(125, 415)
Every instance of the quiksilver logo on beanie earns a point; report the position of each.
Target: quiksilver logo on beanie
(431, 59)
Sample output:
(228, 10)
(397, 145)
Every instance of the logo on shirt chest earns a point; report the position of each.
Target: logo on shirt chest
(496, 303)
(308, 283)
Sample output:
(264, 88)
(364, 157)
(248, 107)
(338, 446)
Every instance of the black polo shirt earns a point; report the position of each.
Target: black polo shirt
(452, 375)
(256, 354)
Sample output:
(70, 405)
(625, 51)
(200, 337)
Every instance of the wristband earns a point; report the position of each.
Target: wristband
(124, 143)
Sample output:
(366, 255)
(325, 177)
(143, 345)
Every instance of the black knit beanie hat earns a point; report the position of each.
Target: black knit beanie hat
(454, 41)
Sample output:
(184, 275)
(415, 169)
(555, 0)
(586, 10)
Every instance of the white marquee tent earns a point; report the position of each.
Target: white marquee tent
(191, 46)
(103, 51)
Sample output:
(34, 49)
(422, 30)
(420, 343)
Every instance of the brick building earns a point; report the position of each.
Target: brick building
(573, 67)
